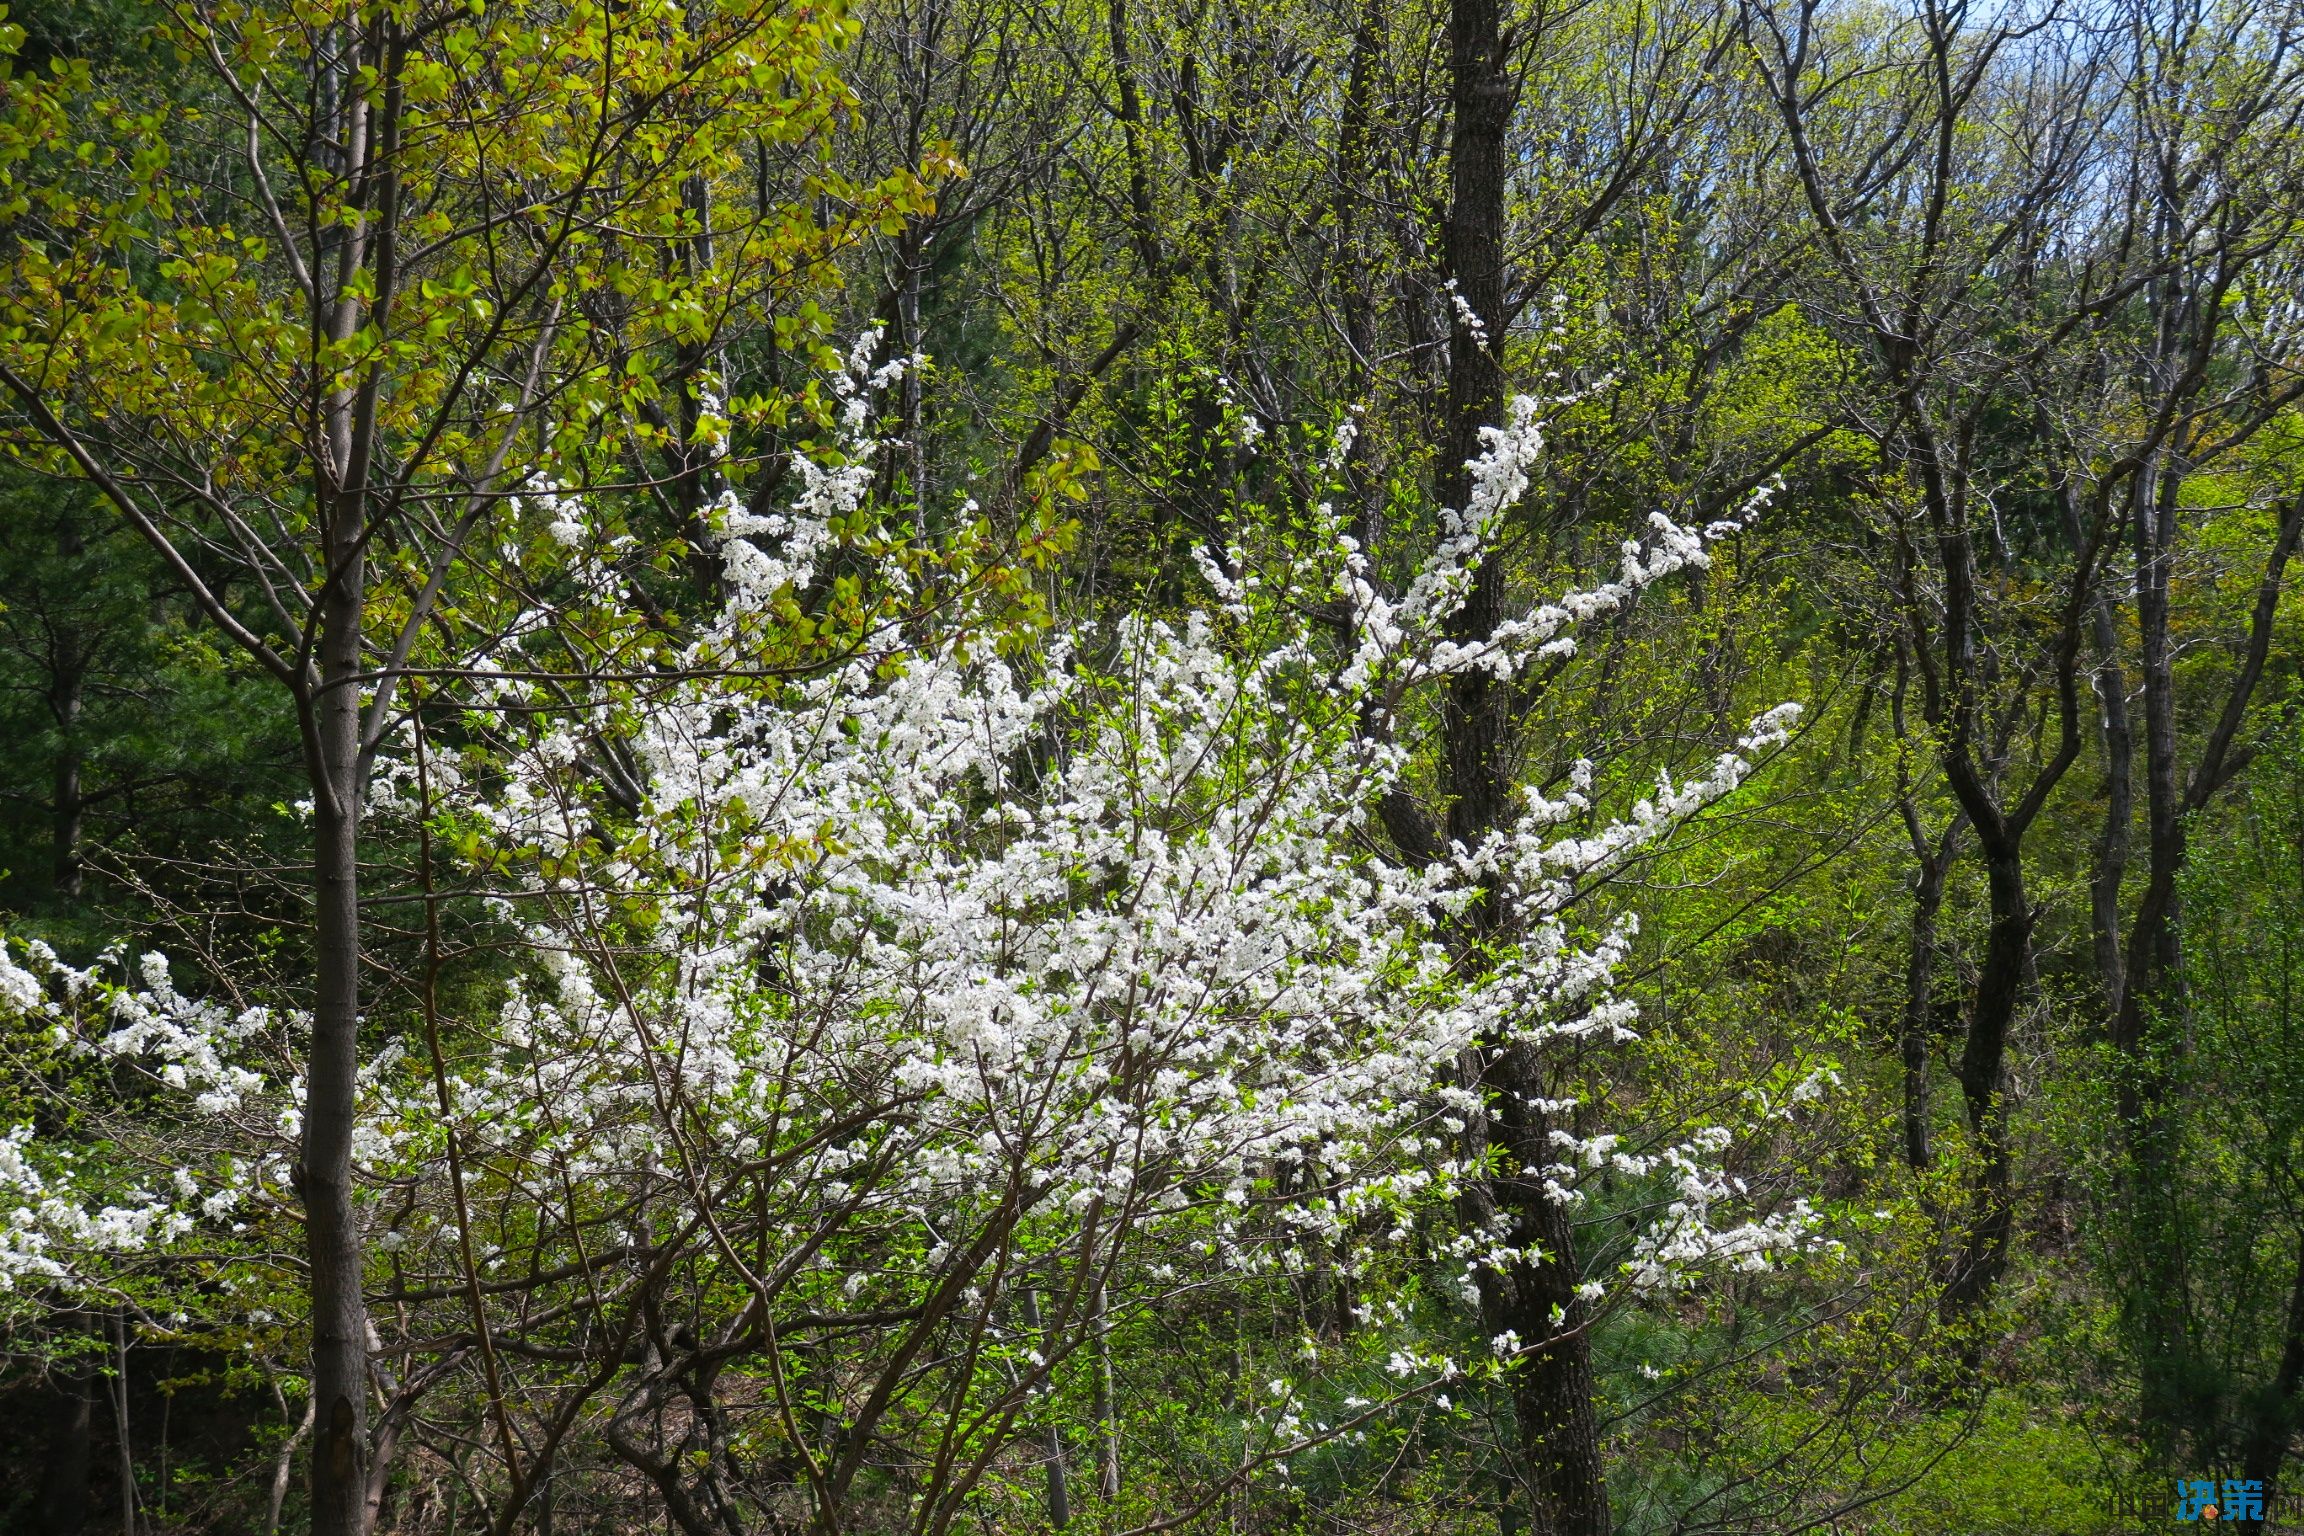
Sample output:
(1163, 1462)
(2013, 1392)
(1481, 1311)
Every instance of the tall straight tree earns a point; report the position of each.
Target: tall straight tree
(1536, 1296)
(321, 327)
(1541, 1295)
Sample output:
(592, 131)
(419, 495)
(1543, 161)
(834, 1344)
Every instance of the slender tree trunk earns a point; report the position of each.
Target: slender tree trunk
(912, 253)
(2147, 1030)
(2116, 739)
(1934, 858)
(1355, 288)
(2154, 952)
(1107, 1412)
(287, 1461)
(1052, 1438)
(2150, 1026)
(70, 806)
(332, 1235)
(1059, 1483)
(1917, 1023)
(127, 1448)
(2111, 852)
(2006, 970)
(344, 1484)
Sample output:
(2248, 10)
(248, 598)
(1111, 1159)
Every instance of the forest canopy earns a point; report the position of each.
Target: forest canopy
(987, 766)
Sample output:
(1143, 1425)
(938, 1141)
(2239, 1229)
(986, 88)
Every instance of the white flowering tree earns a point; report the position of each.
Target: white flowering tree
(882, 1042)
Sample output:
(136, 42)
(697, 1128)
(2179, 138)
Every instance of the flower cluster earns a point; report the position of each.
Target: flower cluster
(938, 953)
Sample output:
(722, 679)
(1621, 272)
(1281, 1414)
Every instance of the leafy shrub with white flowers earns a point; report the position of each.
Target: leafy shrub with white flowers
(884, 1037)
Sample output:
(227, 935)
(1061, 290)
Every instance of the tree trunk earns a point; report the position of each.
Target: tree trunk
(1051, 1437)
(1915, 1027)
(1552, 1387)
(1935, 858)
(287, 1462)
(1355, 285)
(1983, 1077)
(2116, 738)
(2006, 970)
(127, 1447)
(1476, 713)
(2154, 955)
(332, 1235)
(912, 259)
(2147, 1031)
(1107, 1413)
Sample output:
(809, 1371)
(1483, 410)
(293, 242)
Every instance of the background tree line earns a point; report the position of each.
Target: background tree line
(1995, 308)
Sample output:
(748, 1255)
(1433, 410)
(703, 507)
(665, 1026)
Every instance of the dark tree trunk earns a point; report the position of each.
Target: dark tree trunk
(2153, 951)
(1477, 710)
(2147, 1030)
(1918, 1022)
(1355, 286)
(1935, 858)
(1051, 1436)
(347, 1478)
(339, 1309)
(1983, 1077)
(1971, 763)
(1553, 1385)
(2149, 1026)
(2116, 739)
